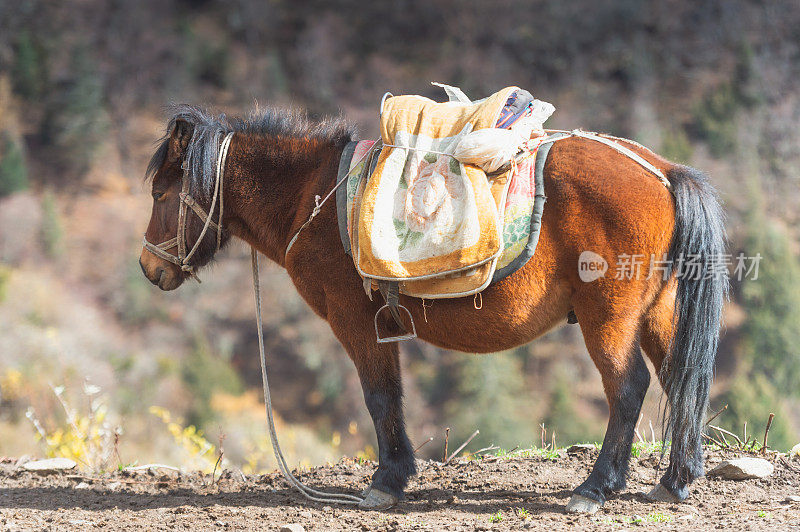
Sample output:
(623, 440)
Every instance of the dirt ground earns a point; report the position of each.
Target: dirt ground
(488, 494)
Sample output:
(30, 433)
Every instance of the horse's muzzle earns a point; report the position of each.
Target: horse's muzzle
(162, 274)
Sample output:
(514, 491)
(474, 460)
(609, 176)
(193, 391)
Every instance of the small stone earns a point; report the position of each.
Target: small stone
(114, 486)
(580, 448)
(793, 498)
(82, 486)
(292, 527)
(22, 460)
(50, 465)
(743, 469)
(794, 453)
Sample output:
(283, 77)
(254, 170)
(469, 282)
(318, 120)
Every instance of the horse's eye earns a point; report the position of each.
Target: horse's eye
(157, 195)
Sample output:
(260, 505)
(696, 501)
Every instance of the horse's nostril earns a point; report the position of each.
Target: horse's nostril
(156, 280)
(142, 267)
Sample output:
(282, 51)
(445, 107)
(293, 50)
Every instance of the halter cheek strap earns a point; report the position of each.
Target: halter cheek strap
(182, 258)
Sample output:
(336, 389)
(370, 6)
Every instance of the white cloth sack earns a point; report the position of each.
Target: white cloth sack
(491, 148)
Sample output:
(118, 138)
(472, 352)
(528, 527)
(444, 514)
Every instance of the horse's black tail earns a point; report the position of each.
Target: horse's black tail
(697, 249)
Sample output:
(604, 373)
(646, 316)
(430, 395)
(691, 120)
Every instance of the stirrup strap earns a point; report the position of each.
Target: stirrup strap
(391, 294)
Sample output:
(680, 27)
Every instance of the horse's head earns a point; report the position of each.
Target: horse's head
(178, 239)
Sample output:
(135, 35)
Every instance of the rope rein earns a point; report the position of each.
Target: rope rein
(309, 493)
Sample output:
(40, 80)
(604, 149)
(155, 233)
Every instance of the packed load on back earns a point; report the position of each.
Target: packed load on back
(493, 148)
(448, 198)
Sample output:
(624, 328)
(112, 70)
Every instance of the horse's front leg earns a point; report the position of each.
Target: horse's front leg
(383, 394)
(378, 367)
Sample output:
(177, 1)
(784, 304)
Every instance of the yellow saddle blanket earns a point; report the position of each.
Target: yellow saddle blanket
(423, 218)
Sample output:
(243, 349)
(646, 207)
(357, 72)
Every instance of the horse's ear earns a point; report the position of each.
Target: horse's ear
(179, 139)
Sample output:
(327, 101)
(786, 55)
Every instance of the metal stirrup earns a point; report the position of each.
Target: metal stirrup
(391, 294)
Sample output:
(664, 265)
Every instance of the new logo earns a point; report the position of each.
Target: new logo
(591, 266)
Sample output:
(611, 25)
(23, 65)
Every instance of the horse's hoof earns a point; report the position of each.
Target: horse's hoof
(376, 499)
(579, 504)
(661, 494)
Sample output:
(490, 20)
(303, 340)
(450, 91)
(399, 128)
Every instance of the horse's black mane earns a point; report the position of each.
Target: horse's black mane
(209, 130)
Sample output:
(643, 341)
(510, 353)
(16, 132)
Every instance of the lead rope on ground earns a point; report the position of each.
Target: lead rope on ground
(309, 493)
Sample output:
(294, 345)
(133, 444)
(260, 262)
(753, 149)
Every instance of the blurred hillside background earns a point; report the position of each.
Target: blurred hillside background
(83, 86)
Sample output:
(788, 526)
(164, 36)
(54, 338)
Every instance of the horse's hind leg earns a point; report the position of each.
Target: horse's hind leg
(658, 329)
(611, 339)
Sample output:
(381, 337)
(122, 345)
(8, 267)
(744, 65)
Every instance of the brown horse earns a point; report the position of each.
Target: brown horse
(598, 200)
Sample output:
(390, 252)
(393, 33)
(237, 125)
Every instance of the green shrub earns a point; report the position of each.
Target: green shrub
(29, 72)
(278, 77)
(715, 116)
(13, 172)
(51, 231)
(676, 146)
(769, 363)
(205, 372)
(490, 397)
(5, 274)
(137, 306)
(715, 119)
(745, 77)
(751, 398)
(770, 333)
(562, 417)
(75, 121)
(206, 61)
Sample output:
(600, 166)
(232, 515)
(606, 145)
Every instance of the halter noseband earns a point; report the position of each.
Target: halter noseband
(182, 258)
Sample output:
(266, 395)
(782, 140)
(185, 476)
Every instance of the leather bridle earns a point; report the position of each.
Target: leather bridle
(181, 258)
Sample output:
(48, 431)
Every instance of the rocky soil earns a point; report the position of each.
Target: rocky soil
(493, 493)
